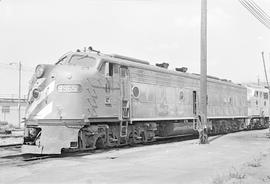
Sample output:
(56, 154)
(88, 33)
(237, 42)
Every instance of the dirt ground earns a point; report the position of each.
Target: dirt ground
(242, 157)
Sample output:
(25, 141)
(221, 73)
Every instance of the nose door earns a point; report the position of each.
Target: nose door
(125, 92)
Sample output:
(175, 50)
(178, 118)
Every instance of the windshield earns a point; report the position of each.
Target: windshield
(82, 60)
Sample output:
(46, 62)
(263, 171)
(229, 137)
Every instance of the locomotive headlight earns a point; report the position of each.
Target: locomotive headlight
(69, 88)
(39, 71)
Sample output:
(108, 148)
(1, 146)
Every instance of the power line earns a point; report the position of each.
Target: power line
(9, 64)
(261, 10)
(257, 12)
(10, 67)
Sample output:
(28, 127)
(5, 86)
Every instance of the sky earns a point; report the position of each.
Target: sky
(39, 32)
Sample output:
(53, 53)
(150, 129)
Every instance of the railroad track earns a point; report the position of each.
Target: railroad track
(27, 159)
(23, 160)
(8, 150)
(11, 146)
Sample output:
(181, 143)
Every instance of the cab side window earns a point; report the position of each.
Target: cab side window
(107, 69)
(256, 94)
(110, 69)
(102, 68)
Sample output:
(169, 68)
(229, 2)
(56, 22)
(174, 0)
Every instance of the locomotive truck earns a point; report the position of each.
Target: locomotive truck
(91, 100)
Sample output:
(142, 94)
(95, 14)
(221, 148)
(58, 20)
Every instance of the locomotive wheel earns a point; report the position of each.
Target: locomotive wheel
(131, 139)
(213, 131)
(80, 143)
(143, 135)
(242, 126)
(100, 144)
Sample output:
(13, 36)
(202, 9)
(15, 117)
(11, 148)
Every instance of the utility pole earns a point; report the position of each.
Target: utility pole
(267, 85)
(19, 90)
(203, 80)
(19, 103)
(265, 73)
(268, 101)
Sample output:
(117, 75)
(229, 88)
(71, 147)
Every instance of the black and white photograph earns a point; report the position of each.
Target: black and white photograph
(134, 91)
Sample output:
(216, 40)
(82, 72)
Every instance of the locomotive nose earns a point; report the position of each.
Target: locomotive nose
(51, 88)
(38, 81)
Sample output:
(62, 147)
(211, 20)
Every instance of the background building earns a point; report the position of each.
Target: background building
(9, 109)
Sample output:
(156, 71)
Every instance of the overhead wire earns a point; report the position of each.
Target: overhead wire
(11, 67)
(260, 9)
(254, 14)
(257, 12)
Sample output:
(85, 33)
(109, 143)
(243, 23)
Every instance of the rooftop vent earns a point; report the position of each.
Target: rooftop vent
(93, 50)
(182, 69)
(226, 80)
(163, 65)
(90, 49)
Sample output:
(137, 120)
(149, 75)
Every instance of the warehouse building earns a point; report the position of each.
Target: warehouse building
(9, 110)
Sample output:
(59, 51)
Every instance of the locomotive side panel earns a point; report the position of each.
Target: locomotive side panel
(226, 101)
(169, 96)
(160, 95)
(161, 102)
(102, 97)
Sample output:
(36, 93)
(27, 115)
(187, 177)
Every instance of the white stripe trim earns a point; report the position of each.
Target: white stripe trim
(43, 94)
(40, 81)
(44, 112)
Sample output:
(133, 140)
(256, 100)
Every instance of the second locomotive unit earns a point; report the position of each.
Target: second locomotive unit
(91, 100)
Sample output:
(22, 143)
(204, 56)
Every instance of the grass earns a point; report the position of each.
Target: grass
(256, 162)
(220, 179)
(266, 179)
(233, 174)
(236, 174)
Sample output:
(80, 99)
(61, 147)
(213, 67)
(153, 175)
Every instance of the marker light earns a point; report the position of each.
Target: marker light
(39, 71)
(35, 93)
(69, 88)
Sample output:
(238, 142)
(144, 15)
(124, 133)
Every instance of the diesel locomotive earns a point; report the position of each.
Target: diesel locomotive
(90, 100)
